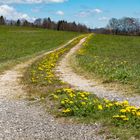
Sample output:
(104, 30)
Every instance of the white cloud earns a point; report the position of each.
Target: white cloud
(89, 12)
(83, 14)
(10, 13)
(103, 19)
(98, 10)
(31, 1)
(61, 13)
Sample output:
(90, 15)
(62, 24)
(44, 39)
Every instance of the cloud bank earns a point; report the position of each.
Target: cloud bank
(11, 13)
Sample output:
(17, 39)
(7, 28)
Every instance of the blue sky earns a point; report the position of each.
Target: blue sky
(93, 13)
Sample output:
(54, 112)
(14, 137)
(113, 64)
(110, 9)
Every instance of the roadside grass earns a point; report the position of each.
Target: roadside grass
(20, 43)
(40, 76)
(61, 100)
(113, 60)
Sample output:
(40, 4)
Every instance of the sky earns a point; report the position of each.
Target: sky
(93, 13)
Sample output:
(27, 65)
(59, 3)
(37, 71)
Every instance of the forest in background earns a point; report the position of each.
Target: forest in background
(47, 23)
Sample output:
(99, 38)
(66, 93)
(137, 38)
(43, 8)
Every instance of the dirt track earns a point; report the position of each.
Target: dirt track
(66, 74)
(19, 121)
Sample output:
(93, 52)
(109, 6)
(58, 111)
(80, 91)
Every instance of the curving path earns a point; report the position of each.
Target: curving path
(21, 121)
(67, 74)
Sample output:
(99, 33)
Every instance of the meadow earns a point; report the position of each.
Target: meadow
(101, 55)
(43, 86)
(111, 60)
(20, 43)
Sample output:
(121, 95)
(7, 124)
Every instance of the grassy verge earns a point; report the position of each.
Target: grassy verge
(20, 43)
(111, 60)
(120, 118)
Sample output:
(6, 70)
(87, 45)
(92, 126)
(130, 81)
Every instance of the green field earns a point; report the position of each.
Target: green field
(18, 43)
(78, 106)
(111, 59)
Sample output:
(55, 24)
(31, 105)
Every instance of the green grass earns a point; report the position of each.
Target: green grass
(18, 43)
(112, 59)
(40, 76)
(61, 100)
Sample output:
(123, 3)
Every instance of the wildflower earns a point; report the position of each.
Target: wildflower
(33, 80)
(71, 102)
(106, 101)
(128, 109)
(117, 104)
(55, 96)
(95, 101)
(72, 95)
(125, 103)
(66, 100)
(62, 102)
(86, 93)
(52, 65)
(138, 114)
(122, 116)
(83, 103)
(126, 119)
(40, 68)
(58, 91)
(66, 110)
(69, 90)
(100, 107)
(82, 95)
(134, 110)
(49, 81)
(62, 82)
(109, 105)
(116, 116)
(122, 110)
(85, 98)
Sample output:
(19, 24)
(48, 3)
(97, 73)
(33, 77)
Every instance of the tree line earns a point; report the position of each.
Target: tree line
(123, 26)
(47, 23)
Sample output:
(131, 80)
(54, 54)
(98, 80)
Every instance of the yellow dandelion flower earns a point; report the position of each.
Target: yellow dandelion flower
(62, 102)
(66, 110)
(126, 119)
(125, 103)
(86, 93)
(82, 95)
(71, 102)
(40, 68)
(55, 96)
(83, 103)
(72, 95)
(122, 116)
(100, 107)
(106, 101)
(116, 116)
(128, 109)
(122, 110)
(85, 98)
(138, 114)
(117, 104)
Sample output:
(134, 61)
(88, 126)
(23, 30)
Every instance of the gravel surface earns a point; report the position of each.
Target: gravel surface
(21, 121)
(67, 74)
